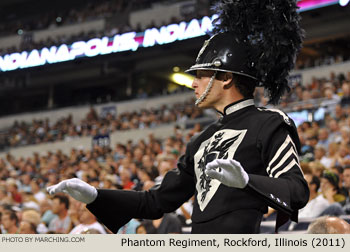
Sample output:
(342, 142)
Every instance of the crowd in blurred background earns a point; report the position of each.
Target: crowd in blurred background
(333, 94)
(136, 166)
(25, 207)
(45, 131)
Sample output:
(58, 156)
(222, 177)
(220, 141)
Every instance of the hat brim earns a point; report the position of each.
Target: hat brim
(194, 68)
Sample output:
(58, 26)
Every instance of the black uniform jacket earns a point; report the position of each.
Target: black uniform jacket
(266, 144)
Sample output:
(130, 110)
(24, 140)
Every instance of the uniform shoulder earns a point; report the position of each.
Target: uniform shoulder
(268, 113)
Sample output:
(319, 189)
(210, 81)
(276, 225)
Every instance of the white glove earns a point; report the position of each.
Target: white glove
(229, 172)
(76, 188)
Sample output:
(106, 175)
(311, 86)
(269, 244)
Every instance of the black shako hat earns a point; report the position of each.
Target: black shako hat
(255, 38)
(223, 53)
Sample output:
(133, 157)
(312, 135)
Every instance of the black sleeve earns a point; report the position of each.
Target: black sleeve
(114, 208)
(284, 187)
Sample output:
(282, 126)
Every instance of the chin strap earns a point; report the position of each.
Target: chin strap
(207, 90)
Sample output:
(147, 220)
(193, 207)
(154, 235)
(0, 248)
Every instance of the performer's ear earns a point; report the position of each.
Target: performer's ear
(227, 80)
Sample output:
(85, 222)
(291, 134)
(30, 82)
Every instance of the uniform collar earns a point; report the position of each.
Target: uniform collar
(233, 107)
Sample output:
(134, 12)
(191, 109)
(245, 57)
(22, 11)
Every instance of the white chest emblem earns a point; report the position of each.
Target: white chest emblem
(222, 145)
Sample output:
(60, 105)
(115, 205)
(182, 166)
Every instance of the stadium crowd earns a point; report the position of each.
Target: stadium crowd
(44, 131)
(135, 166)
(25, 207)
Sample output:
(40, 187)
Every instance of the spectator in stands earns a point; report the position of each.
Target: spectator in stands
(331, 98)
(46, 213)
(345, 100)
(345, 133)
(163, 167)
(137, 155)
(61, 223)
(297, 95)
(4, 197)
(12, 188)
(119, 152)
(32, 218)
(26, 227)
(308, 148)
(130, 227)
(52, 177)
(345, 189)
(141, 229)
(333, 152)
(330, 190)
(144, 177)
(35, 189)
(338, 113)
(25, 183)
(87, 221)
(317, 203)
(334, 135)
(9, 222)
(148, 165)
(329, 225)
(320, 156)
(29, 201)
(338, 170)
(343, 157)
(323, 138)
(125, 177)
(306, 99)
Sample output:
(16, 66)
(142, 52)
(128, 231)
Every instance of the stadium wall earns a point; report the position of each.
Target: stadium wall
(10, 41)
(161, 13)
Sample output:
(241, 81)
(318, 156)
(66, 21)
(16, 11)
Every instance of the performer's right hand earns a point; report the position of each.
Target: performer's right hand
(76, 188)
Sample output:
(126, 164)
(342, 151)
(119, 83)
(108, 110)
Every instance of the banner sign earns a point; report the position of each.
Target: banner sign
(107, 45)
(125, 42)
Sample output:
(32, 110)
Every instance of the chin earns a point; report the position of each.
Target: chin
(203, 105)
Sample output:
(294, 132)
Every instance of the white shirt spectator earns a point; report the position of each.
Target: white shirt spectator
(40, 196)
(314, 207)
(60, 226)
(327, 162)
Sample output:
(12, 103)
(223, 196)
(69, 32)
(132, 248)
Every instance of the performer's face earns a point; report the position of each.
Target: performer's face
(200, 83)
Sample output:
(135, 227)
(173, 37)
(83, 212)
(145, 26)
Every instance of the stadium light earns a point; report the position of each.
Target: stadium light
(343, 2)
(182, 79)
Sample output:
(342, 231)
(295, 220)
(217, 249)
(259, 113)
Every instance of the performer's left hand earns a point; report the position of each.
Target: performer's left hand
(229, 172)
